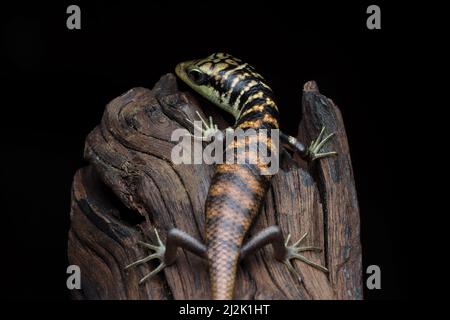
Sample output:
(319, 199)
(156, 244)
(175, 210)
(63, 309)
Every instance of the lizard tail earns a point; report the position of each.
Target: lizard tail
(234, 199)
(223, 255)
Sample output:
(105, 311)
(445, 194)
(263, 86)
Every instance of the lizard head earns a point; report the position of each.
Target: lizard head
(220, 78)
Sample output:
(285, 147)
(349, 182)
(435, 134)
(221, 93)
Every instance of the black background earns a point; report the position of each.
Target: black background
(55, 83)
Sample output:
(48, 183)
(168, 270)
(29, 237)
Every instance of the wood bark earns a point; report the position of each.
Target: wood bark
(130, 187)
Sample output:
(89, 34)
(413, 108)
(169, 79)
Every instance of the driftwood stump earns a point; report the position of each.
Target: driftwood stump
(131, 186)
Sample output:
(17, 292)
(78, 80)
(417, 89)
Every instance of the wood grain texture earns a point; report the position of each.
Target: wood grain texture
(131, 186)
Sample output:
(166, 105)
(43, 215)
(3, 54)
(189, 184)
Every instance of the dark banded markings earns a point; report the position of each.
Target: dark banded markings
(260, 110)
(265, 92)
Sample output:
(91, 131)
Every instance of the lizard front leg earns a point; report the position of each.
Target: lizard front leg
(313, 152)
(206, 130)
(166, 253)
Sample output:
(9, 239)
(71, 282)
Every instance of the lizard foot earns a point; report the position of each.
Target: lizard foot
(159, 252)
(293, 252)
(207, 132)
(317, 144)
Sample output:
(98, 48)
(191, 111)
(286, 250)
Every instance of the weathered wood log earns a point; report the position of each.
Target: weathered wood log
(131, 186)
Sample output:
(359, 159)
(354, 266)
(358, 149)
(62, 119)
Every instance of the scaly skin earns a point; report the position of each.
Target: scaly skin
(238, 188)
(237, 191)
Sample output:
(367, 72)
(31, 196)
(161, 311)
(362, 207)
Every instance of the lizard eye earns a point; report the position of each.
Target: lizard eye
(197, 76)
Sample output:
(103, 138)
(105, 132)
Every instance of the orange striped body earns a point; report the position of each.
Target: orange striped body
(237, 191)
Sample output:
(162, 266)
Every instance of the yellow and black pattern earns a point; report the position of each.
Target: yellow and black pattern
(237, 191)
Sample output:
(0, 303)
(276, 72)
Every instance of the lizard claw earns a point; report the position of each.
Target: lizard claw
(159, 252)
(208, 131)
(317, 144)
(293, 252)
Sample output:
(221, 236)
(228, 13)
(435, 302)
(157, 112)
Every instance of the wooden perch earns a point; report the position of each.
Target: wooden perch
(131, 186)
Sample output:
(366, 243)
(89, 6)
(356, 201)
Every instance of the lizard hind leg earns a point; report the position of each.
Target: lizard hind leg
(293, 252)
(166, 253)
(282, 250)
(159, 252)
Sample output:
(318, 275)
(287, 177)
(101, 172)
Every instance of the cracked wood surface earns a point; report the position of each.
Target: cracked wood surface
(131, 186)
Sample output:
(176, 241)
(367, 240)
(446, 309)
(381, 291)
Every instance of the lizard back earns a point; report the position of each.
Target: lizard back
(237, 190)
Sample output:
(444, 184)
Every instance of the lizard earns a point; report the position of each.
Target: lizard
(237, 190)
